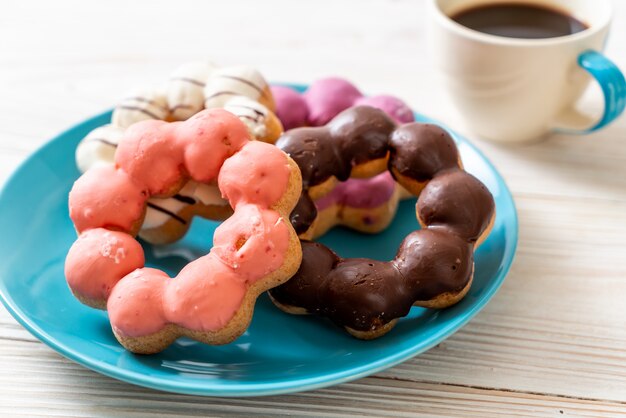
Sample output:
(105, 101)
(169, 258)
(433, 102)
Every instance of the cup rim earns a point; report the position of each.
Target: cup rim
(466, 32)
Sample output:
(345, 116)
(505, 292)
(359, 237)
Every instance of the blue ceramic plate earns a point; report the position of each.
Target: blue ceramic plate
(279, 353)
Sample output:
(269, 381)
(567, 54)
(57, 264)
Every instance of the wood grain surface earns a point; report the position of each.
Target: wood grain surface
(551, 343)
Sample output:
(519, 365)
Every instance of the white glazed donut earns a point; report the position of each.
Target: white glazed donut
(141, 104)
(250, 112)
(98, 147)
(228, 82)
(161, 211)
(185, 89)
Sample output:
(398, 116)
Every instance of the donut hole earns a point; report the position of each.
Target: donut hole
(241, 241)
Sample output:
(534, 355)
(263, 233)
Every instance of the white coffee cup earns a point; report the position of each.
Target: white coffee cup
(518, 90)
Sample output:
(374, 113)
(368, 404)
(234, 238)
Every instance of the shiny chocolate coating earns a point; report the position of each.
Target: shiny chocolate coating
(304, 213)
(361, 293)
(359, 135)
(432, 264)
(353, 137)
(456, 201)
(421, 150)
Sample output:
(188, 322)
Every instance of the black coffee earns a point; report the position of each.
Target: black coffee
(519, 21)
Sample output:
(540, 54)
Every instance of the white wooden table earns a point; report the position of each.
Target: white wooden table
(551, 343)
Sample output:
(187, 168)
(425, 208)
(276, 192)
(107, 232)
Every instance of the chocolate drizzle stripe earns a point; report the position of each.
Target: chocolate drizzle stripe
(180, 106)
(252, 118)
(104, 141)
(256, 111)
(185, 199)
(139, 109)
(241, 80)
(189, 80)
(144, 100)
(168, 212)
(221, 93)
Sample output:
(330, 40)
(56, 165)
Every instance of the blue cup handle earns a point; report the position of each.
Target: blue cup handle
(613, 85)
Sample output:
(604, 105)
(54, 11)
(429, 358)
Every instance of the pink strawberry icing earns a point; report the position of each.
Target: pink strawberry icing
(104, 197)
(326, 98)
(292, 109)
(391, 105)
(136, 303)
(152, 157)
(262, 239)
(360, 193)
(102, 254)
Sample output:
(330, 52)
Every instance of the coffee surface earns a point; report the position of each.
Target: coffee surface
(519, 21)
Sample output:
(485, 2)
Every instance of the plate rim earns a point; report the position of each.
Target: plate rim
(207, 388)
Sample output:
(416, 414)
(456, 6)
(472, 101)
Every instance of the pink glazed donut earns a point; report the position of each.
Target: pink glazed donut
(212, 298)
(326, 98)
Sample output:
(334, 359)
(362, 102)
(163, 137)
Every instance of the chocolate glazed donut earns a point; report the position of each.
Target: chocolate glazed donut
(433, 267)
